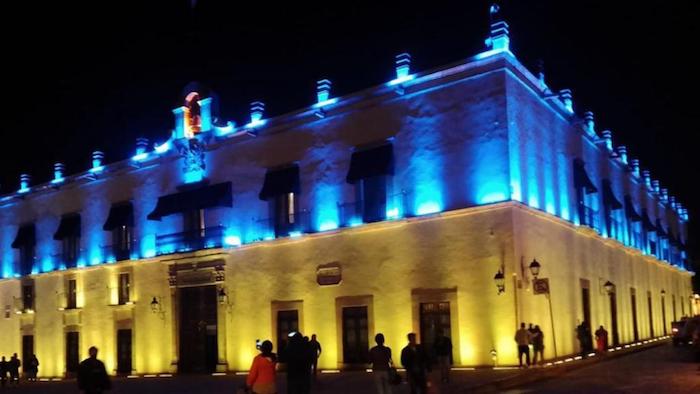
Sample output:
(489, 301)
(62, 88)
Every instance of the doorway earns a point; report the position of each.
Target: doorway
(72, 352)
(434, 321)
(27, 349)
(613, 319)
(198, 329)
(635, 325)
(124, 350)
(355, 335)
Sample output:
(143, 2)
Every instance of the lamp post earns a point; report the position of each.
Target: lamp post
(542, 286)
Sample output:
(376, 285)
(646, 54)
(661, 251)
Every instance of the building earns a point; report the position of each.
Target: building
(418, 205)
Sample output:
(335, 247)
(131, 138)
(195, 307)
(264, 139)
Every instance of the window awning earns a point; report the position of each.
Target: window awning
(611, 202)
(212, 196)
(581, 178)
(631, 213)
(69, 227)
(121, 214)
(660, 229)
(371, 162)
(646, 222)
(281, 181)
(26, 236)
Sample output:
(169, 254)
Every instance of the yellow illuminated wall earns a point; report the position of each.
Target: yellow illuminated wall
(392, 266)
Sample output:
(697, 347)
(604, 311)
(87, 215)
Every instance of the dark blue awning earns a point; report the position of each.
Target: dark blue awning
(611, 202)
(280, 181)
(660, 229)
(646, 222)
(121, 214)
(218, 195)
(69, 227)
(630, 211)
(581, 178)
(371, 162)
(26, 236)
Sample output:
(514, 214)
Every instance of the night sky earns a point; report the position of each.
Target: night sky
(84, 77)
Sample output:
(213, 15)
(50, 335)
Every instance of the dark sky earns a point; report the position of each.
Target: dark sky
(83, 77)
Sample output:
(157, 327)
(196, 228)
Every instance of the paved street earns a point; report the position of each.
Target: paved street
(663, 369)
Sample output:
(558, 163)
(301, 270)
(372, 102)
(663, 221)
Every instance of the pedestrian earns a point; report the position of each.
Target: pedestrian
(601, 339)
(583, 333)
(443, 352)
(297, 358)
(415, 361)
(3, 372)
(522, 339)
(13, 367)
(92, 375)
(31, 368)
(538, 346)
(380, 358)
(261, 378)
(315, 353)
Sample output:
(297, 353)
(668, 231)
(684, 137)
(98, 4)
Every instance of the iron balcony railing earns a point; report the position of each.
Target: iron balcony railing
(118, 252)
(287, 225)
(186, 241)
(590, 218)
(358, 212)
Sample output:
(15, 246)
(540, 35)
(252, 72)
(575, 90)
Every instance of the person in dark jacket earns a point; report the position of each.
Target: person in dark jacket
(297, 357)
(415, 360)
(3, 371)
(315, 353)
(13, 367)
(443, 352)
(92, 375)
(31, 368)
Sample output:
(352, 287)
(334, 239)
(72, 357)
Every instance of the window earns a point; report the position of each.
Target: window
(68, 234)
(28, 296)
(26, 259)
(371, 198)
(281, 190)
(612, 211)
(370, 172)
(355, 335)
(25, 242)
(193, 223)
(434, 322)
(70, 250)
(284, 208)
(586, 195)
(121, 242)
(72, 294)
(124, 288)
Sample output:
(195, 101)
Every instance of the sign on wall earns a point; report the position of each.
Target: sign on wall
(329, 274)
(541, 286)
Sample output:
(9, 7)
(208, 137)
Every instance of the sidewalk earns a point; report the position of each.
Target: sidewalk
(463, 380)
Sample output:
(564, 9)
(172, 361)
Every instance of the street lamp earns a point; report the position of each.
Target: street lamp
(500, 280)
(155, 305)
(223, 297)
(535, 268)
(609, 287)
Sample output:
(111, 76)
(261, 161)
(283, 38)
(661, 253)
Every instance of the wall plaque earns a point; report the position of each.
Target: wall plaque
(329, 274)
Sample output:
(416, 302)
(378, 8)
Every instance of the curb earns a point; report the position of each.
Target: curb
(537, 375)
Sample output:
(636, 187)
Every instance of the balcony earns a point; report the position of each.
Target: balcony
(355, 213)
(295, 224)
(114, 253)
(186, 241)
(590, 218)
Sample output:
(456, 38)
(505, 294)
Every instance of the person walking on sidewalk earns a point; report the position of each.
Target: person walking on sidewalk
(261, 378)
(315, 348)
(380, 358)
(415, 360)
(443, 352)
(601, 339)
(538, 346)
(92, 375)
(522, 339)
